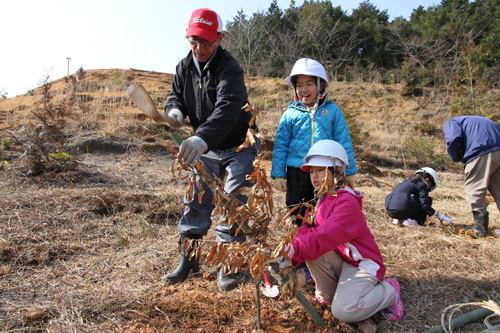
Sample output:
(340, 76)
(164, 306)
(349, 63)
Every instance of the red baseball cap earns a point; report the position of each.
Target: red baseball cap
(204, 23)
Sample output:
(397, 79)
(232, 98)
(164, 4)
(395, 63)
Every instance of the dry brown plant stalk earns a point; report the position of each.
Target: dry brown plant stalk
(253, 217)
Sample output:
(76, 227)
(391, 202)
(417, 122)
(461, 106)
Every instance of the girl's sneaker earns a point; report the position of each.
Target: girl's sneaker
(320, 300)
(396, 311)
(397, 222)
(411, 223)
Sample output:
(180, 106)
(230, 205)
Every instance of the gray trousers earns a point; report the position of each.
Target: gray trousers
(221, 163)
(355, 294)
(482, 175)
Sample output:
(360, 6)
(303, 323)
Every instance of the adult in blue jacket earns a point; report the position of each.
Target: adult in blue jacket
(475, 141)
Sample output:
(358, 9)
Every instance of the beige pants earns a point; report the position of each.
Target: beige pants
(482, 175)
(356, 295)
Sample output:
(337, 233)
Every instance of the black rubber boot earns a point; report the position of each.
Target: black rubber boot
(226, 282)
(186, 265)
(481, 219)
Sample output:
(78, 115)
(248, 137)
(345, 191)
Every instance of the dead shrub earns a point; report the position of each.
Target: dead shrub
(45, 146)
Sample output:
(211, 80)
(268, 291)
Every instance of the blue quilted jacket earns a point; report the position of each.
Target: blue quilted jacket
(298, 130)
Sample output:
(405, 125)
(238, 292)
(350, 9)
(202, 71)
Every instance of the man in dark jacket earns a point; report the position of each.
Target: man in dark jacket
(475, 140)
(208, 88)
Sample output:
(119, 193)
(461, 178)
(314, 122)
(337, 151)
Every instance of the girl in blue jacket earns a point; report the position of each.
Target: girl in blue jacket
(311, 117)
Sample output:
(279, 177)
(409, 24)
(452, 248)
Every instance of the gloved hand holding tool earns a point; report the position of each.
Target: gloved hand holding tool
(178, 116)
(275, 266)
(278, 264)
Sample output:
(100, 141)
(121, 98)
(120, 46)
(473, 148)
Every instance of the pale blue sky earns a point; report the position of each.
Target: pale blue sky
(38, 35)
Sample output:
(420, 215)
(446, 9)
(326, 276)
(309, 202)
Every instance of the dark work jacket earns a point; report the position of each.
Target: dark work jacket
(214, 101)
(410, 197)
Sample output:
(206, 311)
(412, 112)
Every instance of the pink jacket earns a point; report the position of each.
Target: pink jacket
(340, 225)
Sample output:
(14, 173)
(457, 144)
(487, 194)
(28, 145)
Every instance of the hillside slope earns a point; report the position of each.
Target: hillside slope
(83, 249)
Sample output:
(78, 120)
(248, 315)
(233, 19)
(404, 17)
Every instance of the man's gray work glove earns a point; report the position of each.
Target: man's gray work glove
(191, 149)
(178, 116)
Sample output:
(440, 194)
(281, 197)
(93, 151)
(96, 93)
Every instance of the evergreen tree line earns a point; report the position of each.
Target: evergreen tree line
(457, 40)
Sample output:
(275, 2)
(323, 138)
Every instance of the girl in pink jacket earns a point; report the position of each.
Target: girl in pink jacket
(338, 247)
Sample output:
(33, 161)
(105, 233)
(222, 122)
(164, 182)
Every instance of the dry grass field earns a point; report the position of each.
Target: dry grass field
(83, 249)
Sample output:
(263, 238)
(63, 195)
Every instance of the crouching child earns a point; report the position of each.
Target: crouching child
(409, 203)
(337, 245)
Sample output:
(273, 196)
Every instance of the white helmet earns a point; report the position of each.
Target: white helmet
(307, 66)
(432, 173)
(326, 153)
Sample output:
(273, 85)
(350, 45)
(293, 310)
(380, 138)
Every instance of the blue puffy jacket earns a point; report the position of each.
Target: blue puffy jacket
(468, 137)
(298, 130)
